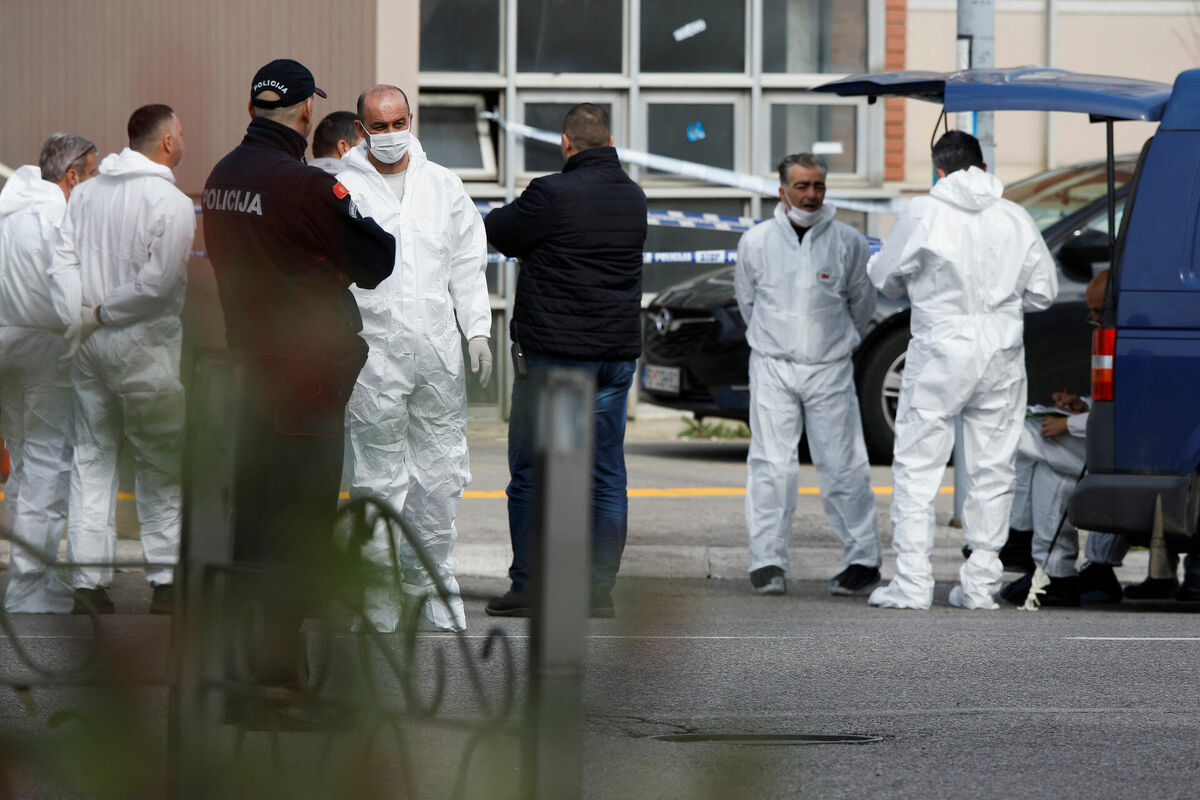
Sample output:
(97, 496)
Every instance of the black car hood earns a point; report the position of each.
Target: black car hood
(704, 293)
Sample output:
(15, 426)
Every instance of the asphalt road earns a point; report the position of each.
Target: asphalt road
(1055, 703)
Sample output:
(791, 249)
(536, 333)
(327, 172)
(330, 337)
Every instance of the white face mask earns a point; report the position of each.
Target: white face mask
(388, 147)
(805, 219)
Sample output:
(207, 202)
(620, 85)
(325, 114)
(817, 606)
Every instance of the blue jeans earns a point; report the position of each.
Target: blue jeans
(610, 505)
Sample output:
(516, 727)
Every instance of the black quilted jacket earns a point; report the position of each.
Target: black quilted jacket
(579, 234)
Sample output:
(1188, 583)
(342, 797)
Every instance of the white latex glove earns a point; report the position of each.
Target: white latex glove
(77, 332)
(481, 359)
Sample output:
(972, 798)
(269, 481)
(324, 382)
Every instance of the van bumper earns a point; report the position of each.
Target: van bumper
(1120, 503)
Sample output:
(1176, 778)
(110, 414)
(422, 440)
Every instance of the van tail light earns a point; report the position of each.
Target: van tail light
(1104, 348)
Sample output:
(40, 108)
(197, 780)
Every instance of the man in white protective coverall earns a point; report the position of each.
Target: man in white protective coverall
(406, 422)
(802, 288)
(119, 278)
(35, 389)
(971, 264)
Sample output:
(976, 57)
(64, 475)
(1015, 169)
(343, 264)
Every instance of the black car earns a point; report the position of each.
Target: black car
(696, 358)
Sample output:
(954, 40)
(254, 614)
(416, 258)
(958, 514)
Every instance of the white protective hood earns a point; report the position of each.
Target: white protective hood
(127, 237)
(31, 210)
(807, 301)
(971, 264)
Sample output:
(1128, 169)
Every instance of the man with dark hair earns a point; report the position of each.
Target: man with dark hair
(286, 242)
(803, 291)
(971, 264)
(35, 389)
(333, 138)
(122, 258)
(579, 235)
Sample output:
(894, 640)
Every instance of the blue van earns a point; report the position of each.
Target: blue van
(1143, 457)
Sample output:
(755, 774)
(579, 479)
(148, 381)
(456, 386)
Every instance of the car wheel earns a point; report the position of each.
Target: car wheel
(879, 393)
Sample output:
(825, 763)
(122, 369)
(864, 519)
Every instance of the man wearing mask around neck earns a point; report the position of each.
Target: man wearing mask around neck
(286, 242)
(971, 264)
(123, 255)
(802, 288)
(35, 387)
(406, 434)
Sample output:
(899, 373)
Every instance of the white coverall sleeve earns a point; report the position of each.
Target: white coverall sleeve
(1042, 285)
(899, 257)
(1077, 425)
(65, 289)
(468, 269)
(745, 279)
(159, 279)
(860, 290)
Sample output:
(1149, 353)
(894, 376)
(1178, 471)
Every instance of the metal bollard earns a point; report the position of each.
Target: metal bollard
(562, 527)
(207, 539)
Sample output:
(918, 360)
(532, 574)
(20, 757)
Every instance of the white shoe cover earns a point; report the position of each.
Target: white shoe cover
(960, 599)
(890, 596)
(381, 605)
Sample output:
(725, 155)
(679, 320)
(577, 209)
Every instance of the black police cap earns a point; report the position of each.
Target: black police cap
(289, 79)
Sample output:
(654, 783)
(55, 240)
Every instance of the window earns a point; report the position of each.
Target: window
(830, 131)
(546, 111)
(814, 36)
(570, 36)
(460, 35)
(693, 36)
(455, 136)
(705, 133)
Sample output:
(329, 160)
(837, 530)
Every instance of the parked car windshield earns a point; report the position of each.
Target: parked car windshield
(1053, 196)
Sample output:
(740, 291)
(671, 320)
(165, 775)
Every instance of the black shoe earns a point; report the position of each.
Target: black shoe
(602, 605)
(1016, 591)
(93, 601)
(163, 600)
(1017, 553)
(510, 605)
(854, 580)
(1061, 593)
(1098, 585)
(768, 580)
(1152, 589)
(1188, 593)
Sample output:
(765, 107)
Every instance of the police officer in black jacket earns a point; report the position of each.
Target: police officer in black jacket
(580, 235)
(286, 241)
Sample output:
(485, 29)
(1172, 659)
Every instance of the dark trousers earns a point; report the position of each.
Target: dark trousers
(288, 474)
(610, 505)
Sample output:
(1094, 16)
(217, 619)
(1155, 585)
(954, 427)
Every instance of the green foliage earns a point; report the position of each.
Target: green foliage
(697, 428)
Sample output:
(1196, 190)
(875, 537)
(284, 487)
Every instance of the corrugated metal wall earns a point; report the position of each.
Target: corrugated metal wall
(84, 65)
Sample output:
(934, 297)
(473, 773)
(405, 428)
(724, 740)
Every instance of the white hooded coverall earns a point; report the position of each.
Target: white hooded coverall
(971, 264)
(806, 304)
(35, 392)
(406, 422)
(125, 242)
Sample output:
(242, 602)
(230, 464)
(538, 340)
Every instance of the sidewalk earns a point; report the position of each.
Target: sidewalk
(686, 511)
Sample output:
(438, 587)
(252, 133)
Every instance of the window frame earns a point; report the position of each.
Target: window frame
(483, 132)
(802, 98)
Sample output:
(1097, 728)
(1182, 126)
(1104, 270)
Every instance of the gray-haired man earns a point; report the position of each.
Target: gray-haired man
(36, 416)
(803, 290)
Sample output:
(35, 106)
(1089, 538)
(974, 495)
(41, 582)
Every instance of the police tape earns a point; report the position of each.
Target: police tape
(662, 257)
(669, 219)
(703, 172)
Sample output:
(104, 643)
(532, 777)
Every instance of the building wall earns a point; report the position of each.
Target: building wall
(1150, 39)
(83, 66)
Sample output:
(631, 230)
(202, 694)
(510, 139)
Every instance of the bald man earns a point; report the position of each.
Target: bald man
(406, 423)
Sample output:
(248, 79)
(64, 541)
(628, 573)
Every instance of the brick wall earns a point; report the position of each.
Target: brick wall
(893, 113)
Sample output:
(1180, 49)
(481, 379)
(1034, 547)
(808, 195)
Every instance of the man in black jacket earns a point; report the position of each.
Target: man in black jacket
(286, 242)
(579, 235)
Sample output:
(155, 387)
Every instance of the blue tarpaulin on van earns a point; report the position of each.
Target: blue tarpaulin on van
(1020, 89)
